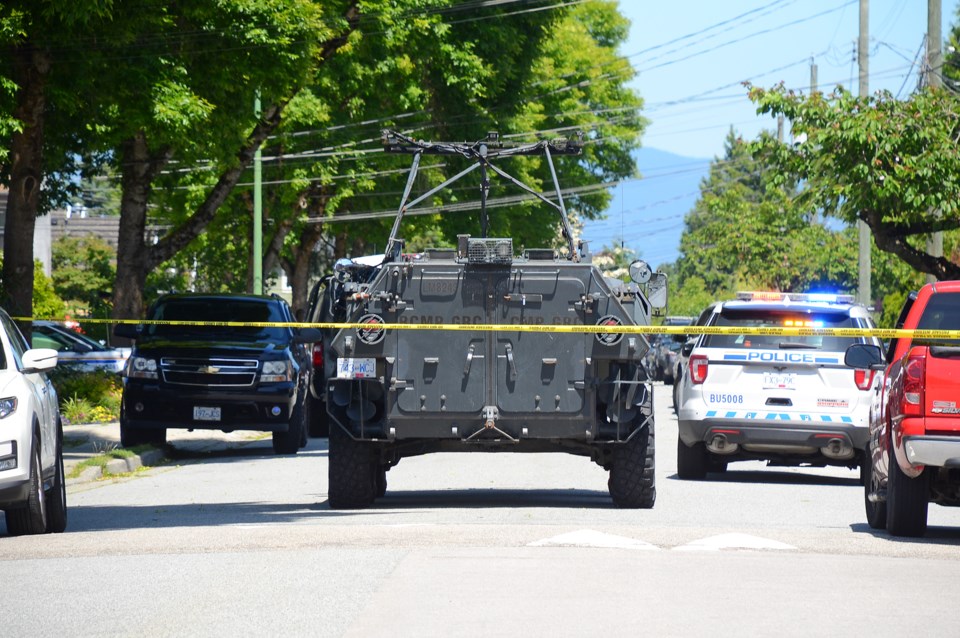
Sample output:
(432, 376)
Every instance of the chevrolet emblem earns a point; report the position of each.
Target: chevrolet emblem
(209, 369)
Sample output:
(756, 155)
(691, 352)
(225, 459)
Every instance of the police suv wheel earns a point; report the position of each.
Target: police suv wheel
(692, 461)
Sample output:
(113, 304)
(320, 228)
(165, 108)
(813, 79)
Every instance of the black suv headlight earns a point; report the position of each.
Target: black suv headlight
(276, 371)
(141, 368)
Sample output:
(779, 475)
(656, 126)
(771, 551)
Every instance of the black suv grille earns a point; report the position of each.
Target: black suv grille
(208, 372)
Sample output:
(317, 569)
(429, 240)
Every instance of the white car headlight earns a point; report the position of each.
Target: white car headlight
(141, 368)
(275, 371)
(7, 406)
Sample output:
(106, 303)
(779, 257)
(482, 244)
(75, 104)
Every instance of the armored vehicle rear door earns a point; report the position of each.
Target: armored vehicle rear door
(539, 371)
(442, 370)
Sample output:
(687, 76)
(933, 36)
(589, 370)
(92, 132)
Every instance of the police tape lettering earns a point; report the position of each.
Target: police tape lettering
(882, 333)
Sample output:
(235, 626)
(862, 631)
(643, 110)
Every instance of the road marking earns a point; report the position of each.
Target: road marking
(591, 538)
(732, 541)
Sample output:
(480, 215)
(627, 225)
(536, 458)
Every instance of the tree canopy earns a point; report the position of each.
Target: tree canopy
(894, 164)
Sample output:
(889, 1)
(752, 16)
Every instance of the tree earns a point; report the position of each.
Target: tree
(29, 33)
(545, 72)
(894, 164)
(746, 232)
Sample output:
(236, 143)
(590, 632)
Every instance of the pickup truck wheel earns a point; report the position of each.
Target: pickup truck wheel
(631, 483)
(289, 442)
(876, 511)
(907, 502)
(31, 518)
(56, 496)
(692, 461)
(129, 436)
(351, 466)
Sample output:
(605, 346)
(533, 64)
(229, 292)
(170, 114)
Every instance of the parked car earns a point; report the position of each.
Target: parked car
(667, 349)
(33, 492)
(236, 375)
(914, 443)
(666, 361)
(787, 400)
(76, 350)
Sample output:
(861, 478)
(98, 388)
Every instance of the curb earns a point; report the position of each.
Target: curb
(119, 466)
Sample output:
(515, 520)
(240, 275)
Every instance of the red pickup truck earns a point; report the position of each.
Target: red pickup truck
(914, 443)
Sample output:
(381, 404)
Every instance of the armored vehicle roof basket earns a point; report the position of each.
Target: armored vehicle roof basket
(486, 251)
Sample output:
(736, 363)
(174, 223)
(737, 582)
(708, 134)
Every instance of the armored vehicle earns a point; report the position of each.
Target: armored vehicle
(477, 348)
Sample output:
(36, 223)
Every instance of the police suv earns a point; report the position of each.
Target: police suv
(787, 400)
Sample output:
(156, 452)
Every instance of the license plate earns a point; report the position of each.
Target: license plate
(206, 414)
(351, 368)
(779, 381)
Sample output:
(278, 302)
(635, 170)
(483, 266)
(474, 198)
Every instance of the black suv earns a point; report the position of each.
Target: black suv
(223, 377)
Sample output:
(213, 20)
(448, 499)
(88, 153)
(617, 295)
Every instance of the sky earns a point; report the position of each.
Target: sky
(691, 58)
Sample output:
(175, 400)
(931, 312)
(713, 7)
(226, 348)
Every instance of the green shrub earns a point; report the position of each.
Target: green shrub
(87, 397)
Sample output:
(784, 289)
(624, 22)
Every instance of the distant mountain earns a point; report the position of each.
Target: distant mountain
(647, 213)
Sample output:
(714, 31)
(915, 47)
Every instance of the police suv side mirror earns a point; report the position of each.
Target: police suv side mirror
(688, 347)
(864, 356)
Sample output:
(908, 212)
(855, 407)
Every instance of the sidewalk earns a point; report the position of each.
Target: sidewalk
(85, 441)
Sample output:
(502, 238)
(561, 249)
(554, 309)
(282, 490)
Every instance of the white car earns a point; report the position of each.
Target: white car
(33, 492)
(786, 400)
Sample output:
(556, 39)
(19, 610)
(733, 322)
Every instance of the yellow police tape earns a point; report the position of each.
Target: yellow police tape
(881, 333)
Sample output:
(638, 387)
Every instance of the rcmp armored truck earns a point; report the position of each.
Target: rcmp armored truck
(478, 348)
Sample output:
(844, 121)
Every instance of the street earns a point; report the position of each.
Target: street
(239, 541)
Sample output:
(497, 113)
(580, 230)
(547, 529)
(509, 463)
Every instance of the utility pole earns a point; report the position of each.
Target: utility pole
(863, 282)
(257, 212)
(934, 77)
(814, 217)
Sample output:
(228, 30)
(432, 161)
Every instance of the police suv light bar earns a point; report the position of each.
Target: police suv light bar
(795, 297)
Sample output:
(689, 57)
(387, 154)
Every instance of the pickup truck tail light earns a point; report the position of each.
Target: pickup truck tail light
(698, 368)
(318, 356)
(914, 378)
(863, 378)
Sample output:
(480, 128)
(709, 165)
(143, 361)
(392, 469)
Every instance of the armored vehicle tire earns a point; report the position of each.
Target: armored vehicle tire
(380, 479)
(319, 419)
(692, 461)
(352, 472)
(289, 442)
(130, 437)
(32, 517)
(632, 483)
(907, 502)
(876, 511)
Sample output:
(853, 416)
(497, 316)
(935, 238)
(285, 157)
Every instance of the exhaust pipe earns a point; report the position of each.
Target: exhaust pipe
(720, 445)
(837, 449)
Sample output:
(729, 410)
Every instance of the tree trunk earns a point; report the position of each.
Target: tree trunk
(298, 271)
(137, 169)
(891, 241)
(30, 71)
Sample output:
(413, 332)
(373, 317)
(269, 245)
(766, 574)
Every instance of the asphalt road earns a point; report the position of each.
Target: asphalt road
(234, 540)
